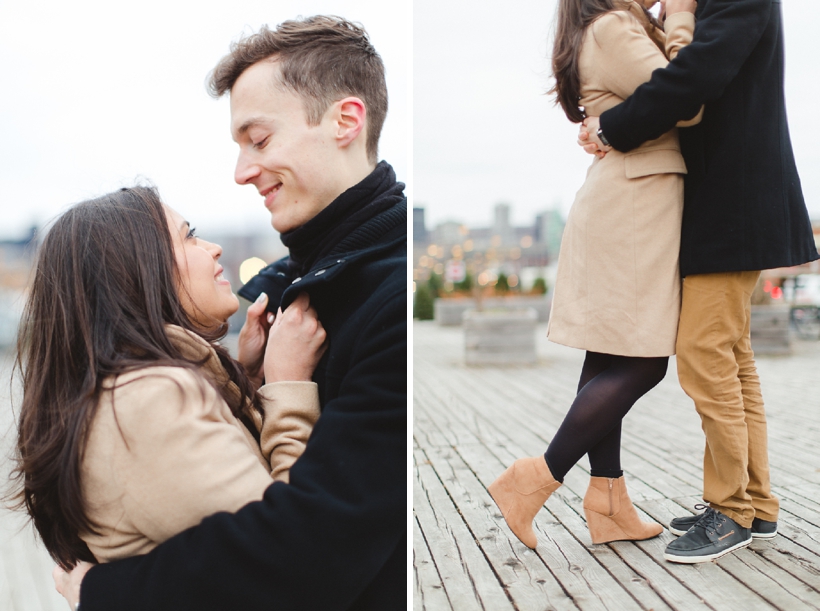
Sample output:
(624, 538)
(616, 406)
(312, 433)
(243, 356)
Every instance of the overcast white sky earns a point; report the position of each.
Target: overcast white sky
(98, 93)
(484, 132)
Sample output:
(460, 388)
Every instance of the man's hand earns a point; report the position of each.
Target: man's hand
(68, 584)
(295, 344)
(253, 337)
(588, 138)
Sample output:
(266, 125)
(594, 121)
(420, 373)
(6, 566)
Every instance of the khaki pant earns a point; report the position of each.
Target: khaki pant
(716, 369)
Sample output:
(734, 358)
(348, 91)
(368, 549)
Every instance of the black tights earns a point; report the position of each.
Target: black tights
(609, 386)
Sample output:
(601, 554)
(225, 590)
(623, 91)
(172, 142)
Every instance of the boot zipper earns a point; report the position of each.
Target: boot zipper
(610, 480)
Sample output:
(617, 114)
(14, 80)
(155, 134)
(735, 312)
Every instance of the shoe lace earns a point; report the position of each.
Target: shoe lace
(709, 520)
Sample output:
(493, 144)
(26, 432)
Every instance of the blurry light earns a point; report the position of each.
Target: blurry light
(767, 286)
(249, 268)
(423, 260)
(414, 287)
(512, 281)
(416, 275)
(463, 230)
(515, 253)
(777, 292)
(431, 250)
(483, 278)
(457, 251)
(440, 252)
(439, 268)
(526, 241)
(468, 245)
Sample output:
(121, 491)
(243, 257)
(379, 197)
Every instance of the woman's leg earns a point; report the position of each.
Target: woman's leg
(601, 454)
(610, 385)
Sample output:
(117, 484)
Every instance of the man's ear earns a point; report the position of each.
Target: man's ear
(350, 120)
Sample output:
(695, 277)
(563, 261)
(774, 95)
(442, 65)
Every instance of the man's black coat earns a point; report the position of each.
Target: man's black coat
(334, 538)
(743, 205)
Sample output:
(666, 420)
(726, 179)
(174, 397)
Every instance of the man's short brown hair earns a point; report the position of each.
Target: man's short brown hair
(322, 59)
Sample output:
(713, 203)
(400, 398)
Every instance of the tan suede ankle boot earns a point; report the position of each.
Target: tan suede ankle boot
(520, 492)
(611, 516)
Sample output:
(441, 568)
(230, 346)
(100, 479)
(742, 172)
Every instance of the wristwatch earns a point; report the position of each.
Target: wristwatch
(602, 138)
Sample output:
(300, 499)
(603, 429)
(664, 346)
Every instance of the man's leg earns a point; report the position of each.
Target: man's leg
(714, 324)
(765, 504)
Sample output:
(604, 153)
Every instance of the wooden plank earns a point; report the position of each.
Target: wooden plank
(465, 574)
(529, 583)
(429, 594)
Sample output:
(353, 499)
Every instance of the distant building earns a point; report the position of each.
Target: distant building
(419, 228)
(16, 261)
(549, 229)
(449, 233)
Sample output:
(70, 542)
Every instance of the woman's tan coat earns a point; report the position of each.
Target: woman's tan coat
(165, 451)
(618, 288)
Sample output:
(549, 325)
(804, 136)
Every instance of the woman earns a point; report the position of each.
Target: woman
(135, 424)
(617, 293)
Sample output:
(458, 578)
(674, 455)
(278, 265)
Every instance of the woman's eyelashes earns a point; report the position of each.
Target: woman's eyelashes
(191, 233)
(261, 143)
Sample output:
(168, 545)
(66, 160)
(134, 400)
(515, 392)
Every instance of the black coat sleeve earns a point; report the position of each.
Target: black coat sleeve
(316, 543)
(726, 33)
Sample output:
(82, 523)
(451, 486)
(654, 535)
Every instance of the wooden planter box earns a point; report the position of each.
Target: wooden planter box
(451, 311)
(770, 329)
(500, 337)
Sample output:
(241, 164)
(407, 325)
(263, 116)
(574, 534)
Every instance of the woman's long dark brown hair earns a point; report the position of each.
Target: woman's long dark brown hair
(104, 288)
(572, 19)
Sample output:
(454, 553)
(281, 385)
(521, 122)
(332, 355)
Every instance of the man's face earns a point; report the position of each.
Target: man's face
(289, 162)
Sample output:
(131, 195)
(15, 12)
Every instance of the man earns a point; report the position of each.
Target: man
(743, 212)
(308, 101)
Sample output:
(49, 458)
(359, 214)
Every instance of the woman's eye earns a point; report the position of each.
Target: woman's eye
(261, 142)
(191, 233)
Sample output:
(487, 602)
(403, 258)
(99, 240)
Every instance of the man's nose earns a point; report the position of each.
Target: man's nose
(245, 171)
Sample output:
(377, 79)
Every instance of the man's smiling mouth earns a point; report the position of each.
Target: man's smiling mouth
(270, 193)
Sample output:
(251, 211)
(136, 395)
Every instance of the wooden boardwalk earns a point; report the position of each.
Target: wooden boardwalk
(470, 423)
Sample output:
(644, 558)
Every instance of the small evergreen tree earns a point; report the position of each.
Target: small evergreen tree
(423, 303)
(466, 284)
(539, 286)
(435, 284)
(502, 285)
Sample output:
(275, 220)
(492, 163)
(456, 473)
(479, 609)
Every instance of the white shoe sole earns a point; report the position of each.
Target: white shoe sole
(697, 559)
(677, 532)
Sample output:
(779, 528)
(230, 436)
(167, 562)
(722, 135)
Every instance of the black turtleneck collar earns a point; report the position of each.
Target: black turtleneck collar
(379, 191)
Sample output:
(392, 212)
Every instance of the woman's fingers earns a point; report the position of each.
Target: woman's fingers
(256, 311)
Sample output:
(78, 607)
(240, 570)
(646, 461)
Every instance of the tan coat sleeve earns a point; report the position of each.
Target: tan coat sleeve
(291, 410)
(184, 457)
(624, 57)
